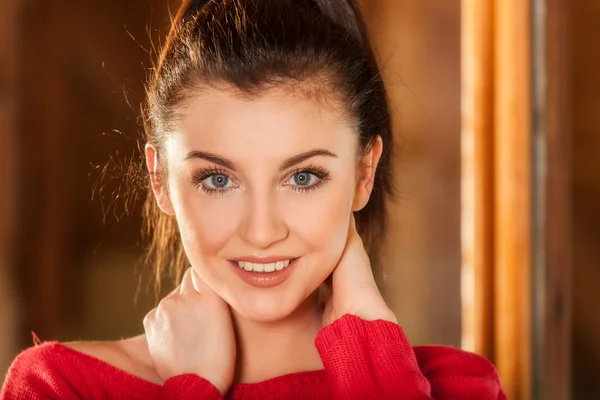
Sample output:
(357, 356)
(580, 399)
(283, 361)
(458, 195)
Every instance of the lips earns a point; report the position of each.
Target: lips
(270, 276)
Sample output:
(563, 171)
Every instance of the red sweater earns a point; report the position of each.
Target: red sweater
(362, 360)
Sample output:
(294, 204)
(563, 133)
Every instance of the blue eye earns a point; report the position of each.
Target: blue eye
(307, 179)
(216, 181)
(304, 179)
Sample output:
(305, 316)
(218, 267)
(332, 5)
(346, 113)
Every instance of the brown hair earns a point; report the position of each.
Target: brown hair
(253, 45)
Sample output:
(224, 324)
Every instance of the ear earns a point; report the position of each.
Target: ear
(158, 185)
(366, 175)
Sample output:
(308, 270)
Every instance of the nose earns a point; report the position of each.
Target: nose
(262, 225)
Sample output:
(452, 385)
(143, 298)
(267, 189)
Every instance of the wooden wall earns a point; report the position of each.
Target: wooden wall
(585, 81)
(419, 50)
(9, 94)
(82, 69)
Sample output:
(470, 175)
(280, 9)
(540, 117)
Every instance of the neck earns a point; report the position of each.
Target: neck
(269, 349)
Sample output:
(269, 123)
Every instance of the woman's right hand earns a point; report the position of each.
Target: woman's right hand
(191, 332)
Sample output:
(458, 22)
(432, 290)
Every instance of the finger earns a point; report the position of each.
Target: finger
(171, 294)
(199, 284)
(352, 231)
(354, 245)
(174, 292)
(354, 267)
(328, 309)
(187, 286)
(148, 319)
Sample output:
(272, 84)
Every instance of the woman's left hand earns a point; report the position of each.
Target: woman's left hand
(354, 290)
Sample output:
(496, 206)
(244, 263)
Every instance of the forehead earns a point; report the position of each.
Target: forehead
(276, 121)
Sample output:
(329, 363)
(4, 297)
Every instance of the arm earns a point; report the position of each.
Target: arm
(374, 360)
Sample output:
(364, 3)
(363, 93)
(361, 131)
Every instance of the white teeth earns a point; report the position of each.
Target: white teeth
(256, 267)
(270, 267)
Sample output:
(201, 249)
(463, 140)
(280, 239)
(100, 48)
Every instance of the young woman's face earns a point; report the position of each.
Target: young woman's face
(262, 190)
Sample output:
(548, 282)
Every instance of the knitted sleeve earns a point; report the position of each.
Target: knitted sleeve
(188, 386)
(374, 360)
(50, 371)
(32, 377)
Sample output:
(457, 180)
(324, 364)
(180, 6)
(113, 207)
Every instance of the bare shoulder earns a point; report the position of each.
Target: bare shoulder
(130, 355)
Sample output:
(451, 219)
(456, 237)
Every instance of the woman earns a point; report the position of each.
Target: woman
(268, 134)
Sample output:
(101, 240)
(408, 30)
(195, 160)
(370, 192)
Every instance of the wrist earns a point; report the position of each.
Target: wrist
(384, 315)
(376, 312)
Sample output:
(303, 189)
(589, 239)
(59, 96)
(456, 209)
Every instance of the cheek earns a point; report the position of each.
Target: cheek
(206, 223)
(321, 220)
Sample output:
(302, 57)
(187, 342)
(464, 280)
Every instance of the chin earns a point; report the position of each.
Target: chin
(265, 307)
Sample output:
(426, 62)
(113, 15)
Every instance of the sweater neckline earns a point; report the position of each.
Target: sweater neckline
(301, 377)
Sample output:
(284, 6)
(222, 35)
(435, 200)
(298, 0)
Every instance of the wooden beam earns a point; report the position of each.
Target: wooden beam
(523, 175)
(512, 196)
(477, 176)
(551, 358)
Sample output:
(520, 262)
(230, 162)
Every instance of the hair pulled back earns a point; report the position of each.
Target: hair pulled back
(253, 45)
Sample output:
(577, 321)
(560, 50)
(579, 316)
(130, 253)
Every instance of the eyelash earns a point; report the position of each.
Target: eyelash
(199, 178)
(321, 174)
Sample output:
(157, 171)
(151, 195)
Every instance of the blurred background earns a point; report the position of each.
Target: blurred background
(71, 81)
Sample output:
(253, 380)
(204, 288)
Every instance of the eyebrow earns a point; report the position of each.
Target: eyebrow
(290, 162)
(297, 159)
(211, 158)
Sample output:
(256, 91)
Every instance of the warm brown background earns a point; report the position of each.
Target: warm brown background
(585, 23)
(64, 70)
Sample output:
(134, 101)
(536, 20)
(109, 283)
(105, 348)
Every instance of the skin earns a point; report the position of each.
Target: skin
(214, 324)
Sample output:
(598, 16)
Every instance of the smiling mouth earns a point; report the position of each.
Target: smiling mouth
(264, 268)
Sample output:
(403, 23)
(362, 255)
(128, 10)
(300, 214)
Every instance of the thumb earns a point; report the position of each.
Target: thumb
(199, 284)
(354, 267)
(354, 288)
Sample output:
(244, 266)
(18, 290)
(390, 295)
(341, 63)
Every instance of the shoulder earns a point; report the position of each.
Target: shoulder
(39, 358)
(39, 370)
(450, 369)
(128, 355)
(70, 370)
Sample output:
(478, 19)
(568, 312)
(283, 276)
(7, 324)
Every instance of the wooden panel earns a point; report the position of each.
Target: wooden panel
(584, 19)
(45, 208)
(75, 116)
(477, 177)
(551, 361)
(512, 146)
(9, 26)
(418, 45)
